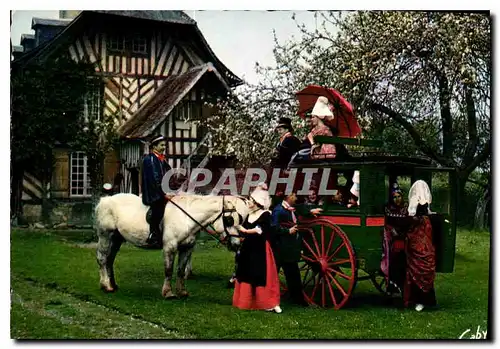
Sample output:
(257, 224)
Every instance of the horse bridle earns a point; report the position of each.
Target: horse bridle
(227, 221)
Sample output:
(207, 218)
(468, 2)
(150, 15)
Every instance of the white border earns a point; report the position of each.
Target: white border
(192, 5)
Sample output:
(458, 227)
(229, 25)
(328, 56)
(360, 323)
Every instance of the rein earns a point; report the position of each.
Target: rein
(204, 227)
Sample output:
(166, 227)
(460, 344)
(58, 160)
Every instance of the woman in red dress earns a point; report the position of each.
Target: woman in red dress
(420, 252)
(393, 255)
(257, 284)
(320, 113)
(420, 272)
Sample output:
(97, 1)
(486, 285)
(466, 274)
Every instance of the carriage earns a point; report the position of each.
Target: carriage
(341, 246)
(344, 245)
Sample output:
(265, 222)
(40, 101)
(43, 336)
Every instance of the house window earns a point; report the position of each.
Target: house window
(116, 43)
(128, 43)
(92, 105)
(139, 44)
(80, 177)
(187, 110)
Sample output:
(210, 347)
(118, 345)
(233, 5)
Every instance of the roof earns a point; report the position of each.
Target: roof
(173, 17)
(160, 16)
(166, 97)
(51, 22)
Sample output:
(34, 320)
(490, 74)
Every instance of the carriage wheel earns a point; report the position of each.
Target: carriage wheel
(329, 274)
(379, 280)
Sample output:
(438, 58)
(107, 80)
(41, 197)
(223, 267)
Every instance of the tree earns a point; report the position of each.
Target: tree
(240, 127)
(421, 70)
(46, 109)
(52, 105)
(421, 76)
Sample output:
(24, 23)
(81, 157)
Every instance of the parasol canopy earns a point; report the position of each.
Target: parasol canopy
(344, 120)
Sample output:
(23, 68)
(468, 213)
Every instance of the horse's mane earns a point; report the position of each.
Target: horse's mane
(187, 199)
(193, 196)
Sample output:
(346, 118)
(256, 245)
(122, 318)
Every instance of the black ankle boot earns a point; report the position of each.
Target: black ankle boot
(154, 239)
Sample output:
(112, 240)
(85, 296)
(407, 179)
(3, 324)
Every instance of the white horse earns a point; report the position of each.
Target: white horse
(122, 217)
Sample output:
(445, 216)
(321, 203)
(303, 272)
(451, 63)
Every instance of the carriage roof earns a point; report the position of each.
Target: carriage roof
(362, 160)
(367, 158)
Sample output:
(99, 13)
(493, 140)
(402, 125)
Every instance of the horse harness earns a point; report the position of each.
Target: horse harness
(227, 220)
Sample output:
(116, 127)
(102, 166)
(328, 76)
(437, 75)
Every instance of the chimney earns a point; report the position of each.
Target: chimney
(27, 42)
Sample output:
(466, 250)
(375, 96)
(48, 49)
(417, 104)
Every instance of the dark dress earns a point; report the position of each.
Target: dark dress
(252, 258)
(257, 283)
(393, 264)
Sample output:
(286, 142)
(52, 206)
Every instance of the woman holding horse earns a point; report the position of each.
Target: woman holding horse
(257, 284)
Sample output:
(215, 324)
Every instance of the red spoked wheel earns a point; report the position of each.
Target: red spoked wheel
(329, 272)
(379, 281)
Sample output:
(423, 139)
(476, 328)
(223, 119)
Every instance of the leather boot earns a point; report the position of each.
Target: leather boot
(154, 238)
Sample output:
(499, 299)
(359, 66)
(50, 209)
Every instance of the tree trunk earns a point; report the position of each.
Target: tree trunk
(479, 218)
(482, 217)
(461, 181)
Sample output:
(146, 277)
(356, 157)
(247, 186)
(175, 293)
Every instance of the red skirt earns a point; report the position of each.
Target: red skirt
(247, 296)
(421, 262)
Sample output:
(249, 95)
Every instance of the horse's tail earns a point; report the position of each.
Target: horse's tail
(104, 214)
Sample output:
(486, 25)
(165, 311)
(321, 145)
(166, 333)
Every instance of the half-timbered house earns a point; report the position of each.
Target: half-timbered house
(157, 72)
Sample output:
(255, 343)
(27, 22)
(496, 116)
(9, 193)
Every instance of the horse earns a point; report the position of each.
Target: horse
(122, 217)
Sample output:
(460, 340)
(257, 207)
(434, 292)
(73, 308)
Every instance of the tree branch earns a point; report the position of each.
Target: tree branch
(483, 155)
(482, 185)
(444, 105)
(423, 146)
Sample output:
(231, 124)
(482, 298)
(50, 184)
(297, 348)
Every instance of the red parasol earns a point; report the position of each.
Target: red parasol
(344, 121)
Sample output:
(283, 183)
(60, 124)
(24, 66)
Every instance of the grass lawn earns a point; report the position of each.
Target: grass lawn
(55, 295)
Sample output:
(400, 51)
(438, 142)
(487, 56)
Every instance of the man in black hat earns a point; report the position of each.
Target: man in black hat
(287, 145)
(154, 167)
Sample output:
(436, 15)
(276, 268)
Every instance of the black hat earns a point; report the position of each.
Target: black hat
(285, 123)
(156, 139)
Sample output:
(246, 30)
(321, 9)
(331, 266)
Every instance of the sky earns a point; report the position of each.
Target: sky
(238, 38)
